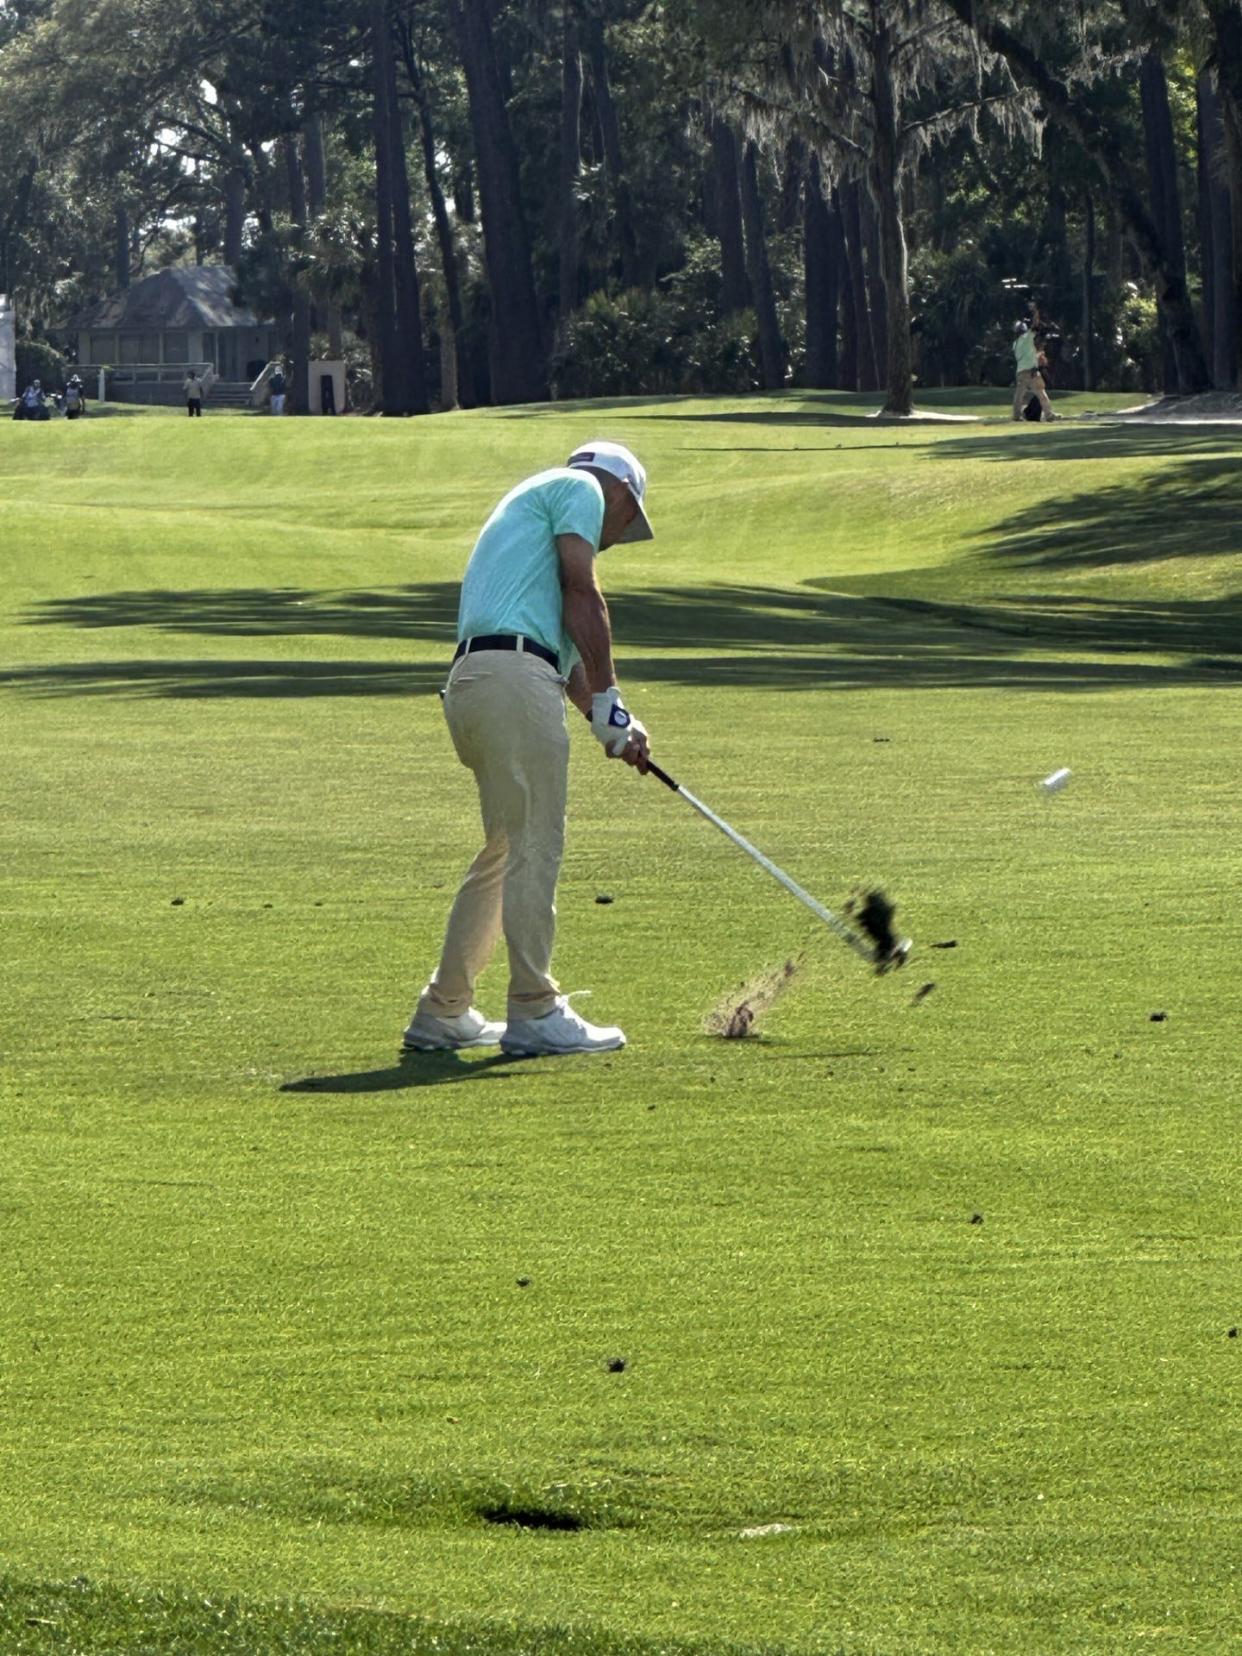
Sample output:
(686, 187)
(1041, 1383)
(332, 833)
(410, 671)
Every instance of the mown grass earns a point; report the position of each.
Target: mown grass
(306, 1346)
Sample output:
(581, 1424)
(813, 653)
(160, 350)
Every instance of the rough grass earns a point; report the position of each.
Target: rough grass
(305, 1346)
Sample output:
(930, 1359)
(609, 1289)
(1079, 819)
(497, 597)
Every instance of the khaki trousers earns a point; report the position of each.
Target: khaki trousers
(506, 715)
(1030, 383)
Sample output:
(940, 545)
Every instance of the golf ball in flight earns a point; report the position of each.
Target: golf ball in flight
(1054, 783)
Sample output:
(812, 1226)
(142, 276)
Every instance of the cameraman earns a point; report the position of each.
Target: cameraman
(1029, 379)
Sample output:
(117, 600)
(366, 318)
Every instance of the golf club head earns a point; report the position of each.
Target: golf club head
(893, 959)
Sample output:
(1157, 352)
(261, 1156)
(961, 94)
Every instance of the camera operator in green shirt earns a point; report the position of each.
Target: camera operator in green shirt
(1029, 379)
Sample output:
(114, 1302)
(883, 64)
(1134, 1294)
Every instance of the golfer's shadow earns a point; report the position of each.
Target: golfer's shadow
(412, 1069)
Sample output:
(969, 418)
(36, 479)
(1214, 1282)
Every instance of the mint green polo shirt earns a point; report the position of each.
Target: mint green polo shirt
(1026, 352)
(512, 582)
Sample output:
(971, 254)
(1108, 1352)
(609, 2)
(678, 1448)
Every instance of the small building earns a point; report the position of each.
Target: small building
(152, 332)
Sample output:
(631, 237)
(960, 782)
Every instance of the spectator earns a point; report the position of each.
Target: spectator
(276, 385)
(31, 404)
(74, 400)
(193, 388)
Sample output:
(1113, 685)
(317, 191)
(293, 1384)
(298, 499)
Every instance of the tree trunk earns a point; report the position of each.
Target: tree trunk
(328, 315)
(263, 193)
(571, 158)
(877, 288)
(1088, 285)
(409, 309)
(771, 345)
(823, 281)
(848, 361)
(234, 213)
(632, 265)
(299, 321)
(1226, 22)
(868, 374)
(518, 367)
(394, 393)
(451, 325)
(886, 175)
(793, 174)
(1203, 220)
(315, 164)
(1162, 185)
(449, 396)
(1216, 239)
(735, 285)
(464, 204)
(1111, 162)
(121, 247)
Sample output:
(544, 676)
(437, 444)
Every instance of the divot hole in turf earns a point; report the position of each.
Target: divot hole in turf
(533, 1517)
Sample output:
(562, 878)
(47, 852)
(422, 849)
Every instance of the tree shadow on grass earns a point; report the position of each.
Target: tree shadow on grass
(413, 1069)
(810, 638)
(428, 611)
(241, 680)
(1091, 440)
(1191, 510)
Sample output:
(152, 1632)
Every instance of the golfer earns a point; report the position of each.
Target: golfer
(1028, 380)
(533, 628)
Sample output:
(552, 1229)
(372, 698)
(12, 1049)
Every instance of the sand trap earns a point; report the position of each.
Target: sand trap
(1208, 408)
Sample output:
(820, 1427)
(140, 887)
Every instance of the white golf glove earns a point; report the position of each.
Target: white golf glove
(611, 722)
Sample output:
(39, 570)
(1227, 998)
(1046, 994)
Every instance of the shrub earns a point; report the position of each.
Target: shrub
(37, 360)
(654, 343)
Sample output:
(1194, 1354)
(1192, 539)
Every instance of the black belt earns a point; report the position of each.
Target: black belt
(507, 641)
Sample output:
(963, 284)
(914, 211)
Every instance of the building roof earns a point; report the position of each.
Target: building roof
(185, 296)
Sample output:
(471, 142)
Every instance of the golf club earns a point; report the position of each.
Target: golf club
(881, 948)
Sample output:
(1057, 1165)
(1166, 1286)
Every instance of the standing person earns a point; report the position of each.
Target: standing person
(276, 385)
(1028, 380)
(75, 400)
(532, 629)
(31, 404)
(193, 388)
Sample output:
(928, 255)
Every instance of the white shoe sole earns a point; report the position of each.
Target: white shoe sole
(428, 1043)
(557, 1052)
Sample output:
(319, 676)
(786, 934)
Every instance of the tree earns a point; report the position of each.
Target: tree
(823, 254)
(518, 361)
(771, 345)
(868, 84)
(1030, 60)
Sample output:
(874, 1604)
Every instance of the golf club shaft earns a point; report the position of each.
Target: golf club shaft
(791, 886)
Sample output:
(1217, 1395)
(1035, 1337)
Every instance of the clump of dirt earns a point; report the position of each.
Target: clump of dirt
(874, 912)
(734, 1017)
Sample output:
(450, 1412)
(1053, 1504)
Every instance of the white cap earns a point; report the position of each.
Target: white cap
(619, 462)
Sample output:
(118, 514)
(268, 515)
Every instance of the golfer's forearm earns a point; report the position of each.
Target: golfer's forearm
(586, 621)
(576, 690)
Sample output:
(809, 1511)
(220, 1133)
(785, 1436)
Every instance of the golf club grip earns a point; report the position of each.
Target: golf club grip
(662, 776)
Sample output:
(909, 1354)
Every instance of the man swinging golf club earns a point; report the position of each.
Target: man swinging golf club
(533, 628)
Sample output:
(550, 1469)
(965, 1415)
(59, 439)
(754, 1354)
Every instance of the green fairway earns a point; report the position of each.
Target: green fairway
(908, 1327)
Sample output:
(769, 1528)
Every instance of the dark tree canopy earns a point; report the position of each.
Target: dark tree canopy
(477, 201)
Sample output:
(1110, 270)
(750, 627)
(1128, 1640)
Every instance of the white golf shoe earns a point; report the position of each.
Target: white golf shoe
(559, 1031)
(425, 1032)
